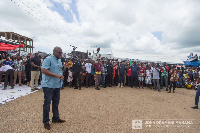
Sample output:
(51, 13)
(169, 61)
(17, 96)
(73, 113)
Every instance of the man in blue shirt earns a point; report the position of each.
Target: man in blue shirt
(8, 62)
(121, 74)
(52, 79)
(197, 96)
(134, 74)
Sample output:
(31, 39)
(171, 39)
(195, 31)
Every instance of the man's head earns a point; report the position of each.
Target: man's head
(7, 58)
(36, 54)
(57, 52)
(152, 64)
(18, 58)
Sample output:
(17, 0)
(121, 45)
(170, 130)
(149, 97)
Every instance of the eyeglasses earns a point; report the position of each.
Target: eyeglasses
(59, 52)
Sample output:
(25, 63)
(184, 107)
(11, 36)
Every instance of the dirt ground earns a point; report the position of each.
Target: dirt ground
(109, 110)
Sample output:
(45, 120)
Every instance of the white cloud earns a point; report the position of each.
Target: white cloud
(119, 25)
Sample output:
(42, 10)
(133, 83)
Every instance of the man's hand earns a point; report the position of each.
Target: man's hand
(61, 77)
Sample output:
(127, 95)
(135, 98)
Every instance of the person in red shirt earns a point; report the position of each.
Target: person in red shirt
(97, 75)
(128, 69)
(141, 74)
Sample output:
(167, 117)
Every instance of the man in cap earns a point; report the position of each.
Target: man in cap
(35, 71)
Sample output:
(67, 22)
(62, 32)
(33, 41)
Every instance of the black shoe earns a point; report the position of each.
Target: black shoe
(97, 88)
(59, 121)
(36, 89)
(195, 107)
(79, 88)
(76, 88)
(47, 126)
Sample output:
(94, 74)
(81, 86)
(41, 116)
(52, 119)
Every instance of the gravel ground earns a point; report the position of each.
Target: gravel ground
(107, 110)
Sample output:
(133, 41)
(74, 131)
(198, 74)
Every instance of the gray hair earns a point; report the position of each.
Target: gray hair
(56, 49)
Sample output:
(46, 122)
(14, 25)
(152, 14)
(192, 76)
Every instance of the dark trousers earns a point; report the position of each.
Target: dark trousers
(164, 79)
(88, 80)
(8, 73)
(65, 77)
(134, 80)
(51, 94)
(28, 76)
(109, 79)
(116, 80)
(128, 80)
(103, 77)
(174, 85)
(197, 96)
(77, 78)
(92, 80)
(121, 79)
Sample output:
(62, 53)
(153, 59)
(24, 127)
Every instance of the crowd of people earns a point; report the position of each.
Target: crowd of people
(55, 73)
(102, 72)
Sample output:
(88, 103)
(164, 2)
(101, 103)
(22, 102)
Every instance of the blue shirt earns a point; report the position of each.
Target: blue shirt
(10, 63)
(121, 69)
(54, 65)
(134, 69)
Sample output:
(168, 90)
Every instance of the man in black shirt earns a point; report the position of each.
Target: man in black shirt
(28, 70)
(77, 70)
(35, 71)
(109, 75)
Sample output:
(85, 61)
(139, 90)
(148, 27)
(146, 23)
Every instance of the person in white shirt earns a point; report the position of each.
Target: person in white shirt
(18, 69)
(155, 71)
(88, 66)
(8, 70)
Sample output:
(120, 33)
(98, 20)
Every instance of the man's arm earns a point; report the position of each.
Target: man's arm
(48, 73)
(32, 64)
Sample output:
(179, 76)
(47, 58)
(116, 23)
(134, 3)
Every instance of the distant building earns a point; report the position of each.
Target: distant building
(20, 39)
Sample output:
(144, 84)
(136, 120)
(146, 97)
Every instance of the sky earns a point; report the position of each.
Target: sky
(153, 27)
